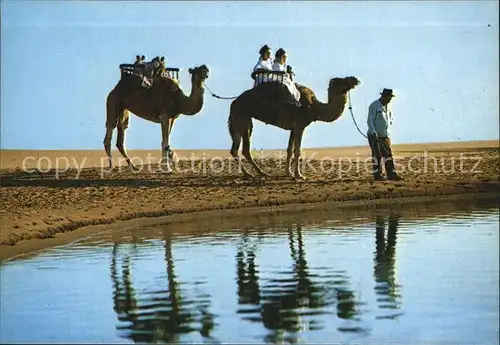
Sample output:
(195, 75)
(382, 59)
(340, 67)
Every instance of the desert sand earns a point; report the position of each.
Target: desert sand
(42, 206)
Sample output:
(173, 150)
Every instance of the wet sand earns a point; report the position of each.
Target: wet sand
(43, 207)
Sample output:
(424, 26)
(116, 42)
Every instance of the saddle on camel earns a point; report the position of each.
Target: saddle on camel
(285, 90)
(142, 77)
(148, 72)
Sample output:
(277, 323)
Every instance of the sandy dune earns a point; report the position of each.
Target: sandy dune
(39, 204)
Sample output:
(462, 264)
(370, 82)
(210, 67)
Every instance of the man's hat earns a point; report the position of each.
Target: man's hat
(387, 92)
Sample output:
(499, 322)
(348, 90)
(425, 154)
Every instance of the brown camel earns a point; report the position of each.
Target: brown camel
(264, 103)
(163, 104)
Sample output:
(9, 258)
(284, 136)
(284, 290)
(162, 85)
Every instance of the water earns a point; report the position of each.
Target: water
(419, 273)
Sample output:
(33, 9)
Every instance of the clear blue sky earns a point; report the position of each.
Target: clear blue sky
(60, 60)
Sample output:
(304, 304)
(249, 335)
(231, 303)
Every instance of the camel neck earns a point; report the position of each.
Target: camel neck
(194, 102)
(331, 111)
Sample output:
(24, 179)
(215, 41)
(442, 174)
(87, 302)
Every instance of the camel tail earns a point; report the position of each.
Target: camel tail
(230, 128)
(230, 124)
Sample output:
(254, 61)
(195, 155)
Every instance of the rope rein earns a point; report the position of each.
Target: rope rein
(216, 96)
(352, 115)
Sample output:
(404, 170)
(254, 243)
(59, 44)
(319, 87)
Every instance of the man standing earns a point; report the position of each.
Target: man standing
(379, 126)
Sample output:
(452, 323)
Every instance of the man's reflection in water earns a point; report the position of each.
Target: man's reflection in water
(384, 271)
(164, 314)
(246, 272)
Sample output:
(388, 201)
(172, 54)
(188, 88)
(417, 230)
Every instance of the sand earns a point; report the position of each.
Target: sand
(42, 207)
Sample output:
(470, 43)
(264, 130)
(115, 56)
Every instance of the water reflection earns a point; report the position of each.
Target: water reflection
(162, 315)
(294, 300)
(384, 270)
(302, 291)
(247, 277)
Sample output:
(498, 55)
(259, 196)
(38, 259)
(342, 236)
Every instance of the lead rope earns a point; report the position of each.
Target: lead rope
(216, 96)
(352, 115)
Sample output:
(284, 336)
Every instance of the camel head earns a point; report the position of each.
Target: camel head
(199, 74)
(342, 85)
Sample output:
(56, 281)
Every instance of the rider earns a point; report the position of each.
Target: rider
(280, 57)
(264, 64)
(281, 66)
(265, 61)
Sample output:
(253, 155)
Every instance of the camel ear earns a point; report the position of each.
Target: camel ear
(190, 71)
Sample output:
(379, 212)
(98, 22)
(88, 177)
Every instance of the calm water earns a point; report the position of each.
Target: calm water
(421, 273)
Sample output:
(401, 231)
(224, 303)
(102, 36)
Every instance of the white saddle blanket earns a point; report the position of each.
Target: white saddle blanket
(292, 88)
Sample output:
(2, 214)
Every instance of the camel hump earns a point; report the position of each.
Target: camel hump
(306, 94)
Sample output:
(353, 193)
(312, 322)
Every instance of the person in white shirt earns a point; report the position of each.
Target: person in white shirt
(280, 65)
(280, 57)
(265, 63)
(379, 132)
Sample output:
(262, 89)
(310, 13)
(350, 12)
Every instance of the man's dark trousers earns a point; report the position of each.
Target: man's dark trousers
(381, 149)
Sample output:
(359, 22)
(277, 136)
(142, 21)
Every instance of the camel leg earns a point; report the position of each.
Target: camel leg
(297, 152)
(247, 152)
(120, 140)
(235, 147)
(165, 144)
(113, 114)
(107, 144)
(234, 152)
(171, 153)
(289, 154)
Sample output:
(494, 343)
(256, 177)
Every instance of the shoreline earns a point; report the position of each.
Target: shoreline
(38, 209)
(34, 245)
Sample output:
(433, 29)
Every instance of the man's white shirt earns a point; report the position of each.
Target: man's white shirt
(379, 119)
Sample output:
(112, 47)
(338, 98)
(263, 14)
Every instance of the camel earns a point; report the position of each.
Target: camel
(264, 103)
(162, 104)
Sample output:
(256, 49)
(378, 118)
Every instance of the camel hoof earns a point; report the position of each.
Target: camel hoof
(165, 168)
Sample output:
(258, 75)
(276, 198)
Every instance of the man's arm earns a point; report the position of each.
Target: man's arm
(372, 111)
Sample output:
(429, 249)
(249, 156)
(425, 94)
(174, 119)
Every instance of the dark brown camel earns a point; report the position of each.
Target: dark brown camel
(265, 103)
(162, 104)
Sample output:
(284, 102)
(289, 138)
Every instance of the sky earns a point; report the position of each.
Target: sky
(59, 60)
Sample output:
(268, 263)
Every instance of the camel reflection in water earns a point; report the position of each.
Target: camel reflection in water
(283, 305)
(165, 315)
(384, 271)
(295, 298)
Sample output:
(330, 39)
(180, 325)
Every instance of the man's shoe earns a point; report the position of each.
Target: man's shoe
(395, 177)
(378, 177)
